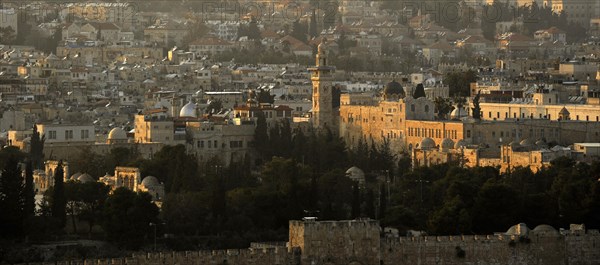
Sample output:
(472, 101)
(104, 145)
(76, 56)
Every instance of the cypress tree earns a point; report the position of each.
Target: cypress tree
(29, 192)
(11, 199)
(261, 136)
(313, 25)
(419, 91)
(59, 202)
(36, 152)
(355, 201)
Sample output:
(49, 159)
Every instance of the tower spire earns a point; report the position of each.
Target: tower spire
(323, 115)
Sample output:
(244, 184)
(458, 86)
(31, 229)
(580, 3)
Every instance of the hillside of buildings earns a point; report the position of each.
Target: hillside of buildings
(189, 126)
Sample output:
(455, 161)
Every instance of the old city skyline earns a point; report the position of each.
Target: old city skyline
(300, 132)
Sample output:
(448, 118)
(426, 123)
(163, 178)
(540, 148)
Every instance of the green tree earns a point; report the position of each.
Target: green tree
(313, 24)
(92, 197)
(126, 217)
(459, 83)
(8, 35)
(36, 151)
(253, 31)
(59, 201)
(214, 107)
(261, 137)
(419, 91)
(494, 208)
(173, 166)
(443, 107)
(299, 31)
(451, 219)
(12, 200)
(29, 192)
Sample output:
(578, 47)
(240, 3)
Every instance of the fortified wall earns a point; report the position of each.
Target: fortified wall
(359, 242)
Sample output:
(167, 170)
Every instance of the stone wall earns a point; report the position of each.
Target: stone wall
(358, 242)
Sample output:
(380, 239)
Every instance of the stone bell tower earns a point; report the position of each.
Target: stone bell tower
(323, 115)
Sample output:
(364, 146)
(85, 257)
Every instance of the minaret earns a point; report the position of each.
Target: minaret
(322, 109)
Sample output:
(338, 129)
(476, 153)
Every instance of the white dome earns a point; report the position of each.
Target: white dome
(150, 181)
(75, 176)
(447, 143)
(117, 134)
(518, 230)
(427, 143)
(545, 229)
(458, 113)
(188, 110)
(356, 174)
(85, 178)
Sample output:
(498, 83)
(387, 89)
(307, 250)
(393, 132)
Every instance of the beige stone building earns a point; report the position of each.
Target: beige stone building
(131, 179)
(43, 180)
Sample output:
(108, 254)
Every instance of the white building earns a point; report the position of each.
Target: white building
(66, 133)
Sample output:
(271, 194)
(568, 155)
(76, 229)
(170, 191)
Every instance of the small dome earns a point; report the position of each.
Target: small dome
(150, 181)
(356, 174)
(518, 230)
(460, 144)
(188, 110)
(526, 142)
(393, 90)
(75, 176)
(458, 113)
(427, 143)
(544, 229)
(85, 178)
(117, 134)
(447, 143)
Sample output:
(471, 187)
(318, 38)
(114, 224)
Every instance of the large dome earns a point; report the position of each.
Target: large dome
(427, 143)
(150, 181)
(188, 110)
(393, 90)
(117, 134)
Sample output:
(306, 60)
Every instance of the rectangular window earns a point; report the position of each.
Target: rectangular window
(216, 146)
(52, 135)
(68, 134)
(209, 144)
(85, 134)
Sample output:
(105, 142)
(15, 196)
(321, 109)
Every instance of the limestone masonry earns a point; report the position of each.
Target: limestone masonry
(361, 242)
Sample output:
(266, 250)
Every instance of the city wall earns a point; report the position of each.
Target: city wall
(358, 243)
